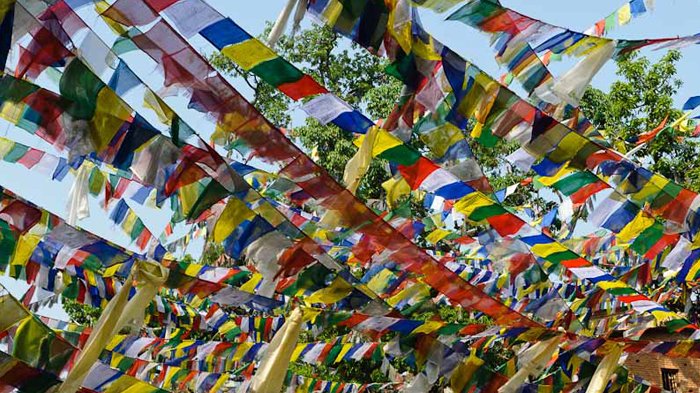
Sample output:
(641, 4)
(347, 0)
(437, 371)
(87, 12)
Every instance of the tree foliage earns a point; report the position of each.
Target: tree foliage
(639, 102)
(82, 314)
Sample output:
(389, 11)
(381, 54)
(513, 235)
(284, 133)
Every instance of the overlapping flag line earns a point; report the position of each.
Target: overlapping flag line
(90, 266)
(398, 325)
(547, 37)
(207, 354)
(249, 55)
(174, 376)
(195, 350)
(263, 208)
(647, 185)
(98, 290)
(372, 284)
(202, 287)
(60, 3)
(252, 45)
(518, 55)
(299, 229)
(407, 153)
(407, 76)
(24, 333)
(514, 157)
(523, 66)
(118, 351)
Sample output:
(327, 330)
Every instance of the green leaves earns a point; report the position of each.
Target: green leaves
(639, 102)
(82, 314)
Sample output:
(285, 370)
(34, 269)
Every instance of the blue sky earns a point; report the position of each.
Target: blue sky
(670, 18)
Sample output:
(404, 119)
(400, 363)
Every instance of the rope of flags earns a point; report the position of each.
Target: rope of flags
(299, 237)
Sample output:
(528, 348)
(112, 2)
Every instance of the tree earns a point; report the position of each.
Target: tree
(352, 74)
(639, 102)
(82, 314)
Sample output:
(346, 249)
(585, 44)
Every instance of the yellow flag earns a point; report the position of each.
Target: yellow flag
(12, 312)
(242, 349)
(25, 248)
(338, 290)
(297, 351)
(468, 204)
(220, 382)
(116, 358)
(465, 371)
(332, 11)
(380, 280)
(270, 214)
(110, 115)
(418, 291)
(357, 166)
(425, 50)
(252, 283)
(248, 53)
(384, 141)
(428, 327)
(549, 180)
(233, 215)
(635, 227)
(12, 111)
(399, 24)
(624, 14)
(441, 138)
(395, 188)
(156, 104)
(102, 6)
(6, 146)
(344, 351)
(547, 249)
(437, 235)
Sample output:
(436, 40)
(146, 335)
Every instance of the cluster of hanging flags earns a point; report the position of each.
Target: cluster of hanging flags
(294, 238)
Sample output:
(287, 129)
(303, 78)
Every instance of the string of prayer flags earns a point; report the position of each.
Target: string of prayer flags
(325, 107)
(91, 256)
(39, 352)
(620, 17)
(405, 155)
(507, 227)
(457, 82)
(302, 165)
(220, 297)
(478, 207)
(297, 238)
(294, 235)
(553, 38)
